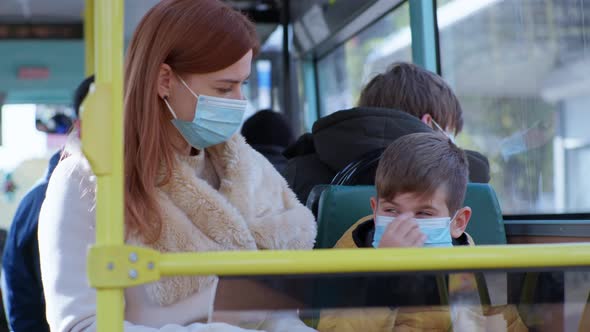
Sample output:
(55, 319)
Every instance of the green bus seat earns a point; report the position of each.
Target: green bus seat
(340, 207)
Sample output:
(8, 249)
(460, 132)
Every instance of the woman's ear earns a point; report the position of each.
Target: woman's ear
(164, 81)
(460, 222)
(427, 119)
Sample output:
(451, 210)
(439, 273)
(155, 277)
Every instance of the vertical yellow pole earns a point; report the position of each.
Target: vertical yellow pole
(89, 37)
(109, 74)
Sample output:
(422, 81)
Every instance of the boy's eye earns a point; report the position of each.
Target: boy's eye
(390, 210)
(424, 214)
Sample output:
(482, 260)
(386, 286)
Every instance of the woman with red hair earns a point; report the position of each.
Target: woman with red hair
(191, 182)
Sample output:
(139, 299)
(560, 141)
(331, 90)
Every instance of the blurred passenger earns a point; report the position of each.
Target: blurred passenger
(22, 289)
(421, 182)
(270, 134)
(62, 123)
(191, 183)
(9, 187)
(405, 99)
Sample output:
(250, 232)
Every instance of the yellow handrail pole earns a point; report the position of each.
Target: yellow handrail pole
(149, 265)
(89, 37)
(243, 263)
(102, 143)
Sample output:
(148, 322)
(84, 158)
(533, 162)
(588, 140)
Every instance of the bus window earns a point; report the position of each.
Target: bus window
(25, 150)
(466, 300)
(344, 71)
(521, 69)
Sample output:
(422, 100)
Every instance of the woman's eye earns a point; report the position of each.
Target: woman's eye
(424, 214)
(223, 91)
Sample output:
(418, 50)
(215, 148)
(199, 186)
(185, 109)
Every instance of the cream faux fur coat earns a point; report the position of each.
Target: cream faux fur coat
(253, 208)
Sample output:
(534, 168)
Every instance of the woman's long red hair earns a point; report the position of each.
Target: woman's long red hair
(192, 36)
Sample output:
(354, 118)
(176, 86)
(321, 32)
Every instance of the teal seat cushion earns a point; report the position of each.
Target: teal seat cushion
(342, 206)
(486, 225)
(339, 208)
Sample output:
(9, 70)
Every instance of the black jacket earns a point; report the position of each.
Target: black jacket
(343, 137)
(274, 154)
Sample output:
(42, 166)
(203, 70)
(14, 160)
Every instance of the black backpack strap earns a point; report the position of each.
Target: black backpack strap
(349, 175)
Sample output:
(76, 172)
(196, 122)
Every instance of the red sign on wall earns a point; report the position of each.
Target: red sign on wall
(33, 73)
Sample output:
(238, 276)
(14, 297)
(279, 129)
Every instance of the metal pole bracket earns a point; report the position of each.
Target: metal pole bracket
(122, 266)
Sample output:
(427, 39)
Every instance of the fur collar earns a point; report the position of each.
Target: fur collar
(252, 209)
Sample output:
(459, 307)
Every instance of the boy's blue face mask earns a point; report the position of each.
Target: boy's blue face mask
(216, 120)
(437, 230)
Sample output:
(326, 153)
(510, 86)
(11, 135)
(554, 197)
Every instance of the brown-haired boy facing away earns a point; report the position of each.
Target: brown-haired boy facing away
(405, 99)
(421, 182)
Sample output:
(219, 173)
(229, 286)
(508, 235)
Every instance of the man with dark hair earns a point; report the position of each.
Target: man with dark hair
(405, 99)
(22, 290)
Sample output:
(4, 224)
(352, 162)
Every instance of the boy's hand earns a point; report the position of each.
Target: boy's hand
(402, 232)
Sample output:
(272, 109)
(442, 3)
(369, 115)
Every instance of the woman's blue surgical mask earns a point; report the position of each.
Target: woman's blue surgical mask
(216, 120)
(437, 230)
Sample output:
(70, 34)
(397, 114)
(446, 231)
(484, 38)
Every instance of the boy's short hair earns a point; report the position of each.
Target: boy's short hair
(414, 90)
(421, 163)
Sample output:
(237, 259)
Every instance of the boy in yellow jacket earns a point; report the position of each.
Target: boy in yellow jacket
(421, 182)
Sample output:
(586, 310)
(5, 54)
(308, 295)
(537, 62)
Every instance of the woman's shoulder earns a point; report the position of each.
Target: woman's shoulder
(67, 217)
(73, 164)
(72, 187)
(73, 169)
